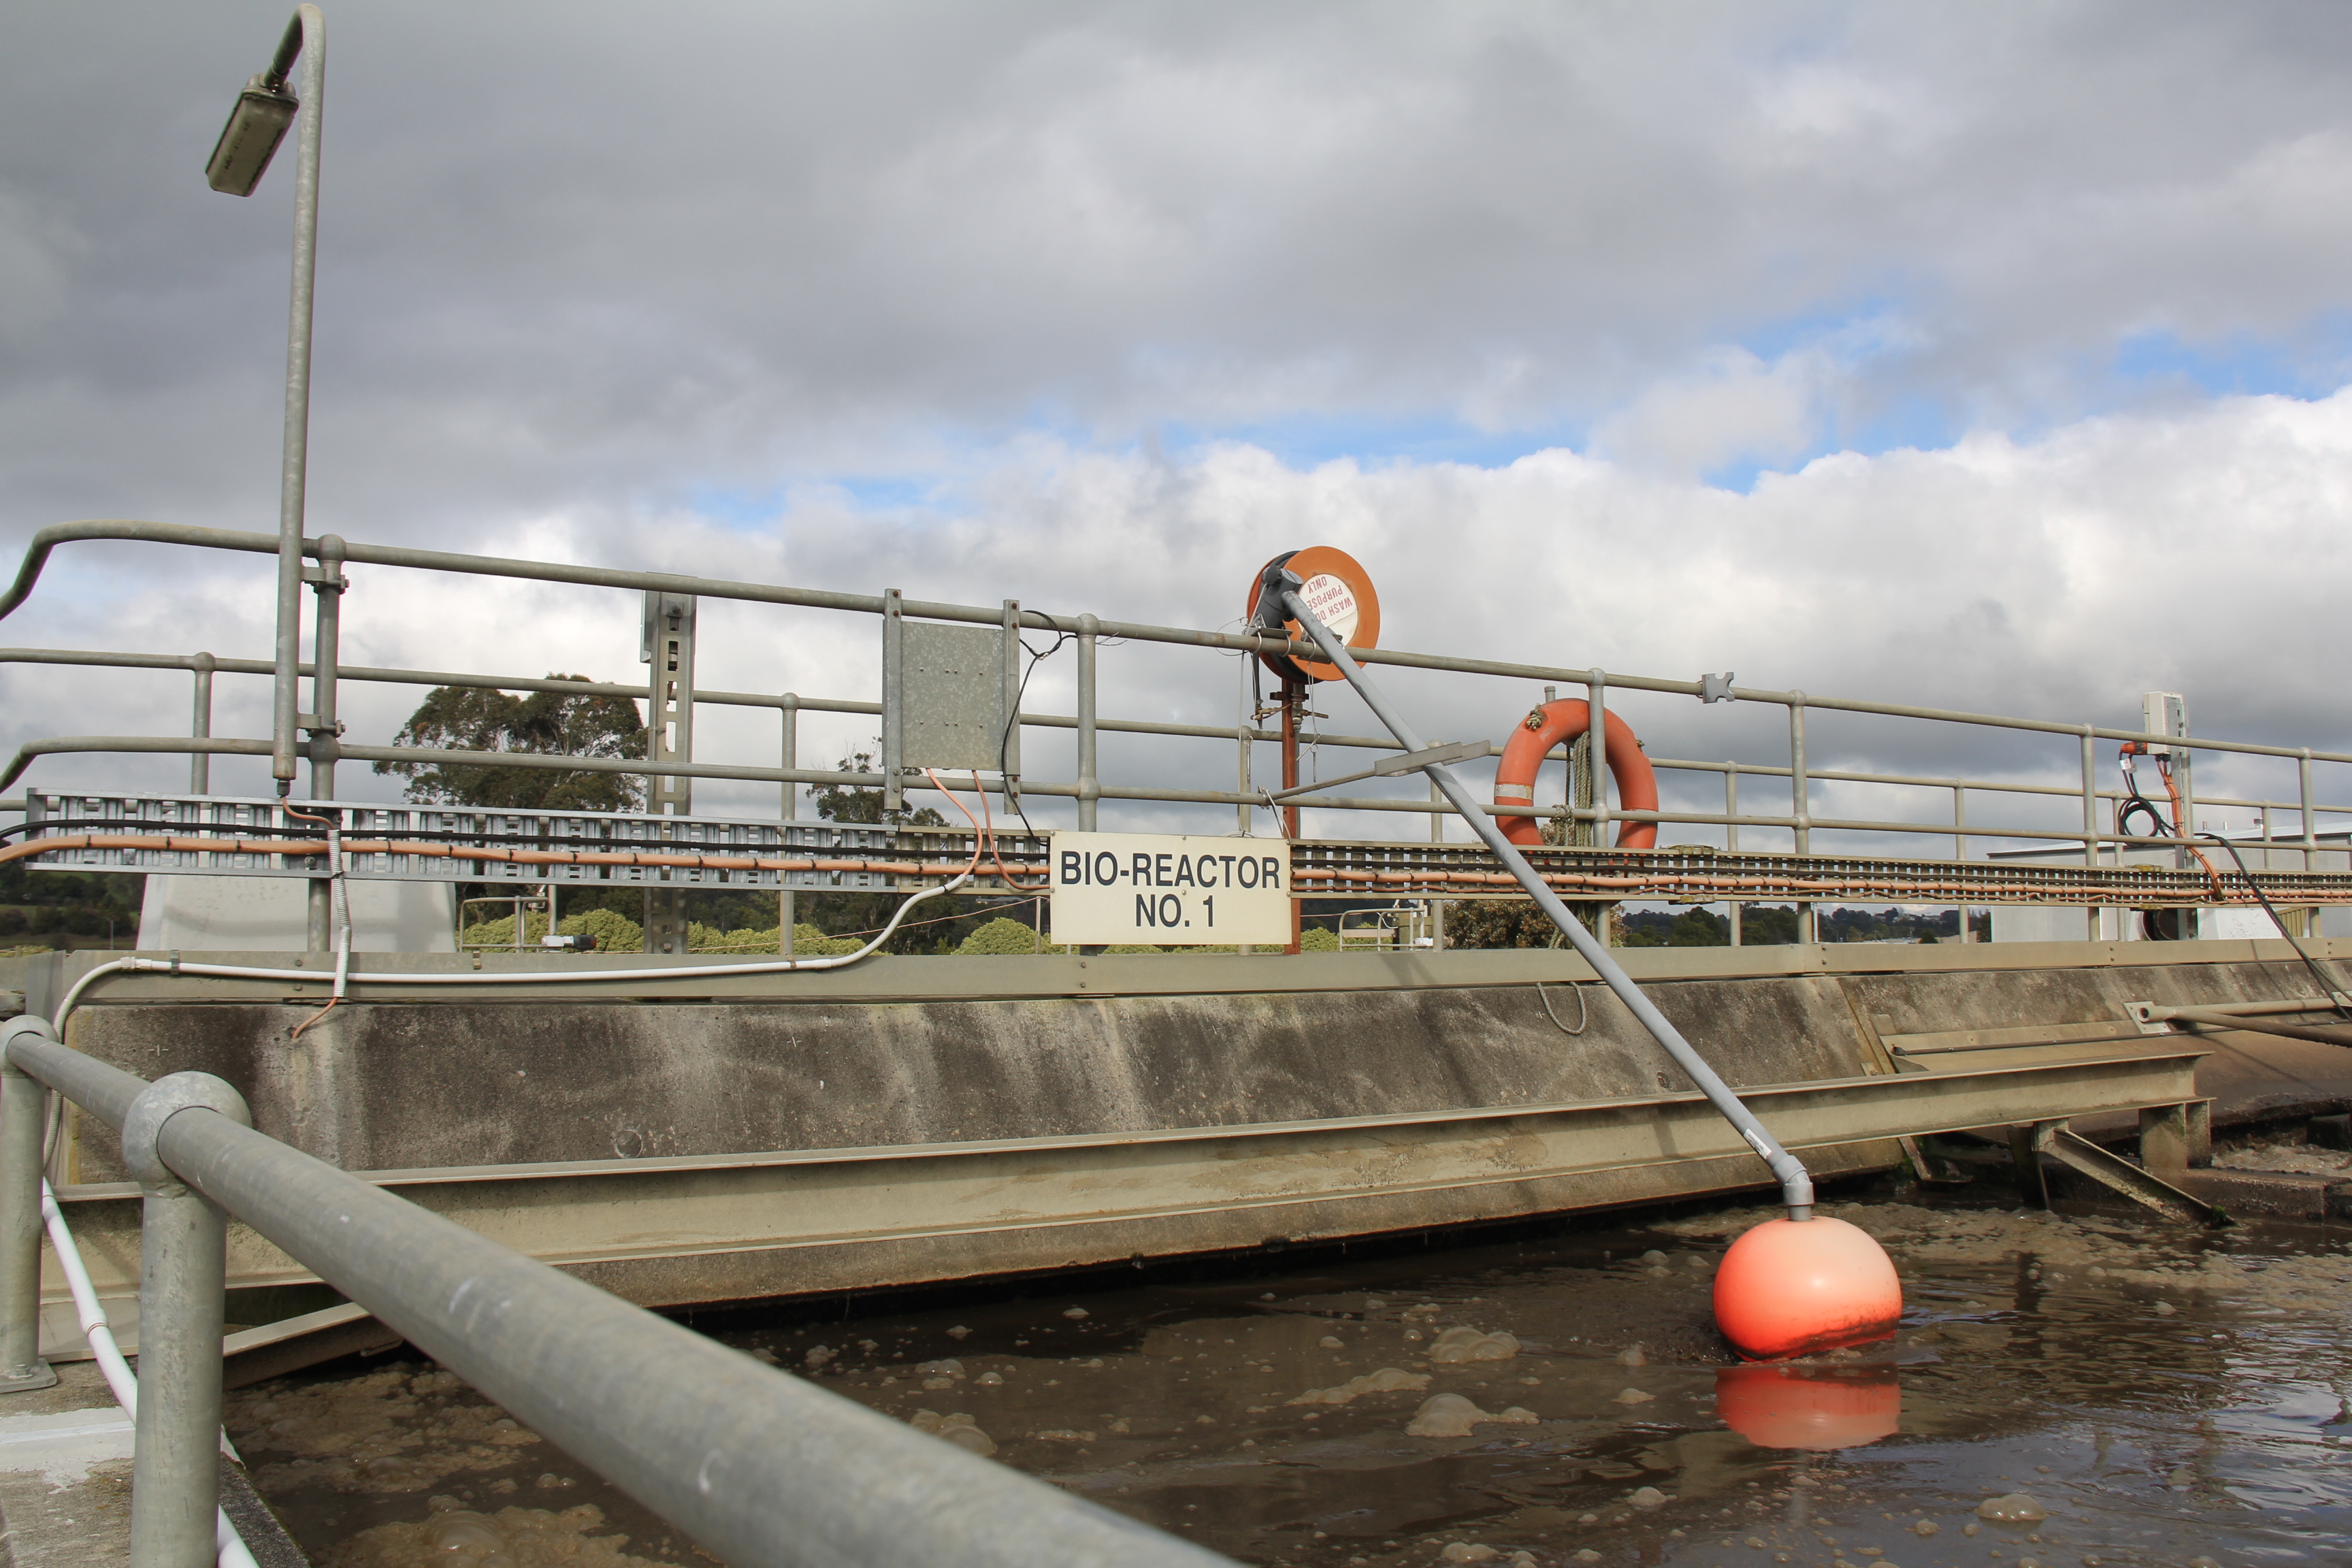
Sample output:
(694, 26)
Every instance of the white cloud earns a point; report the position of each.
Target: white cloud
(2054, 579)
(1003, 256)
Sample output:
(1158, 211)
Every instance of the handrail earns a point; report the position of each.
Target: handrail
(757, 1466)
(43, 541)
(793, 701)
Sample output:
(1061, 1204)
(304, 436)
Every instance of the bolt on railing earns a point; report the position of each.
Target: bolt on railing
(755, 1465)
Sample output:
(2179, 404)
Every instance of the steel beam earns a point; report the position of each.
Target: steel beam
(1181, 1189)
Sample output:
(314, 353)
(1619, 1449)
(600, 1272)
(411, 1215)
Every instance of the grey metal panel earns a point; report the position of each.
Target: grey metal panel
(580, 830)
(954, 697)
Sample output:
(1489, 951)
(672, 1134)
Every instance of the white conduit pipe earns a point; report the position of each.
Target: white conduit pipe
(569, 977)
(94, 1327)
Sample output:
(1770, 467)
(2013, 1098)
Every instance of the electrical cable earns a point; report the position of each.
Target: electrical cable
(987, 831)
(2334, 998)
(1583, 1012)
(229, 1549)
(339, 915)
(1004, 741)
(175, 965)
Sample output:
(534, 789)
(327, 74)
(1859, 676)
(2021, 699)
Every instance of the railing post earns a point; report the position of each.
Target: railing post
(785, 900)
(22, 1103)
(326, 637)
(1596, 765)
(1731, 833)
(1089, 786)
(1800, 800)
(183, 1274)
(1961, 847)
(2310, 835)
(893, 645)
(2095, 916)
(200, 725)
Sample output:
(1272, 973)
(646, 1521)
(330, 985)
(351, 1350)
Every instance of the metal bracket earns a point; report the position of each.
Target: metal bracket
(158, 1103)
(1716, 687)
(326, 577)
(2112, 1171)
(1389, 767)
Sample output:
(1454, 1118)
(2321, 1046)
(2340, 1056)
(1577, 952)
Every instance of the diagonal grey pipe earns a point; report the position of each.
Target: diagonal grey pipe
(1796, 1186)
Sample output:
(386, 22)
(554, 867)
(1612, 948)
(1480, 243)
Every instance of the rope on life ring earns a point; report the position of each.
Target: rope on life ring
(1564, 719)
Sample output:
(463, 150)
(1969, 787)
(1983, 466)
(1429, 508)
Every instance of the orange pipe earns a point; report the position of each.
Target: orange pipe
(1548, 726)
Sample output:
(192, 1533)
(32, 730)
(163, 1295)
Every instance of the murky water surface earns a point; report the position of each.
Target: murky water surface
(2085, 1390)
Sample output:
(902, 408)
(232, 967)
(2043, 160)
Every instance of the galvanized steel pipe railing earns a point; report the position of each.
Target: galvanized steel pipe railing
(757, 1466)
(46, 539)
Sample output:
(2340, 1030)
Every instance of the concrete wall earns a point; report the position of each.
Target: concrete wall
(379, 1085)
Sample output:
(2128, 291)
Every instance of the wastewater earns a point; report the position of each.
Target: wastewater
(2072, 1387)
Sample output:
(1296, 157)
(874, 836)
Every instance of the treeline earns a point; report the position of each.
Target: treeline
(63, 905)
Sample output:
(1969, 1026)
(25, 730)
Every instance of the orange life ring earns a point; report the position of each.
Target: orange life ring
(1548, 726)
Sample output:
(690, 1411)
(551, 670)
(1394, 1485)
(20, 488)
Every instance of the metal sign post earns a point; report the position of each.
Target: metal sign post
(668, 649)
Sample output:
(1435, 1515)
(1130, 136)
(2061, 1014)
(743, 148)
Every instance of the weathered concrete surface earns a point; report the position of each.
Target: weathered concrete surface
(939, 1051)
(399, 1086)
(65, 1482)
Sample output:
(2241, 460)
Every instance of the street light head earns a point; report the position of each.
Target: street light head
(256, 126)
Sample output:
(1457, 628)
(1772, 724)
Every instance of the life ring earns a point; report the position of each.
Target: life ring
(1565, 719)
(1340, 592)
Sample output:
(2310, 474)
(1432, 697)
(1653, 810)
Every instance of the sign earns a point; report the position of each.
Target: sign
(1338, 591)
(1332, 602)
(1169, 890)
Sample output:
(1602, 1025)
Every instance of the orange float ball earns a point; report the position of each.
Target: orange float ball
(1792, 1287)
(1775, 1407)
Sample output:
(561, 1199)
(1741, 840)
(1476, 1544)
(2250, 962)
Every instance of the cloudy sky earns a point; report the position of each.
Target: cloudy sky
(1987, 355)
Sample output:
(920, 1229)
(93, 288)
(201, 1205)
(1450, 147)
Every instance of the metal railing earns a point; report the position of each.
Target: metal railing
(756, 1465)
(2095, 837)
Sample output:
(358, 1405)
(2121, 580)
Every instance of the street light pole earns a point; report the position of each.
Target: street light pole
(257, 125)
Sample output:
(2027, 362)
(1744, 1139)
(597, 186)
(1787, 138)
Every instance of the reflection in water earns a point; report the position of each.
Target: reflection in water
(1807, 1407)
(2162, 1395)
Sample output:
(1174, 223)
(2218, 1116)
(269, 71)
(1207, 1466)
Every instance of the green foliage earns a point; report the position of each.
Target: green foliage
(470, 718)
(808, 942)
(1318, 938)
(1687, 928)
(1498, 922)
(863, 802)
(1000, 936)
(614, 933)
(67, 904)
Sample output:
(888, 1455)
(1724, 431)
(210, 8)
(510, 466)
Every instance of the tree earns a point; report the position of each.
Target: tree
(861, 804)
(546, 724)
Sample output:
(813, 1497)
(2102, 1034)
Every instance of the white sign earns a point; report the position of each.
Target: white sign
(1334, 603)
(1169, 890)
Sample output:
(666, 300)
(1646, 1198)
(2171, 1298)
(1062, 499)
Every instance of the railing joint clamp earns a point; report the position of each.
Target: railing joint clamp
(157, 1104)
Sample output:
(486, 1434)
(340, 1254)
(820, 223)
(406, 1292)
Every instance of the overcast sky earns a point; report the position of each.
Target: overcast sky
(1985, 355)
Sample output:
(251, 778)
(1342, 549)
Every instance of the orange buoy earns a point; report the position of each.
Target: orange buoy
(1778, 1407)
(1565, 719)
(1792, 1287)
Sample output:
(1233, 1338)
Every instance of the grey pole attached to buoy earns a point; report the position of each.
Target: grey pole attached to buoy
(1281, 586)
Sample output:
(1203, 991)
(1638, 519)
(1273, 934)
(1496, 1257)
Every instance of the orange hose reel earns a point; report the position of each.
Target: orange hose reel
(1548, 726)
